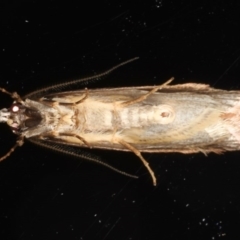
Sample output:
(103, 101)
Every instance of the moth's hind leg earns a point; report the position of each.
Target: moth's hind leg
(143, 97)
(138, 153)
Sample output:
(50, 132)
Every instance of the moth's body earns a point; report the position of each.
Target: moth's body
(185, 121)
(185, 118)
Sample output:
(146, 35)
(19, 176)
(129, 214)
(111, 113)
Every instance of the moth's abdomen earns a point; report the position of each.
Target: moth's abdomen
(144, 116)
(102, 117)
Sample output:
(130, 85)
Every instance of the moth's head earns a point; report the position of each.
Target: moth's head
(13, 116)
(20, 117)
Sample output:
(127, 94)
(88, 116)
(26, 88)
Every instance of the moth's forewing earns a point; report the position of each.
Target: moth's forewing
(197, 108)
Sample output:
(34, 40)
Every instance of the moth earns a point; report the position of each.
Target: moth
(185, 118)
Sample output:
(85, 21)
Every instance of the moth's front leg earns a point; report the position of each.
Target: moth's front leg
(13, 95)
(18, 143)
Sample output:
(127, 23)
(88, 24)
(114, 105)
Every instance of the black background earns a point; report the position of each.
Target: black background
(46, 195)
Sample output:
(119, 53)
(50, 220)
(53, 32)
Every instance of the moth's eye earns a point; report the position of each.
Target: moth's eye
(15, 108)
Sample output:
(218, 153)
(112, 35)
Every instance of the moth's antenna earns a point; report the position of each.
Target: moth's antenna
(66, 84)
(69, 151)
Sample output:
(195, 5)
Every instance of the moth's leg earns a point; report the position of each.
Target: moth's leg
(19, 143)
(76, 136)
(79, 101)
(138, 153)
(56, 134)
(55, 103)
(142, 98)
(13, 95)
